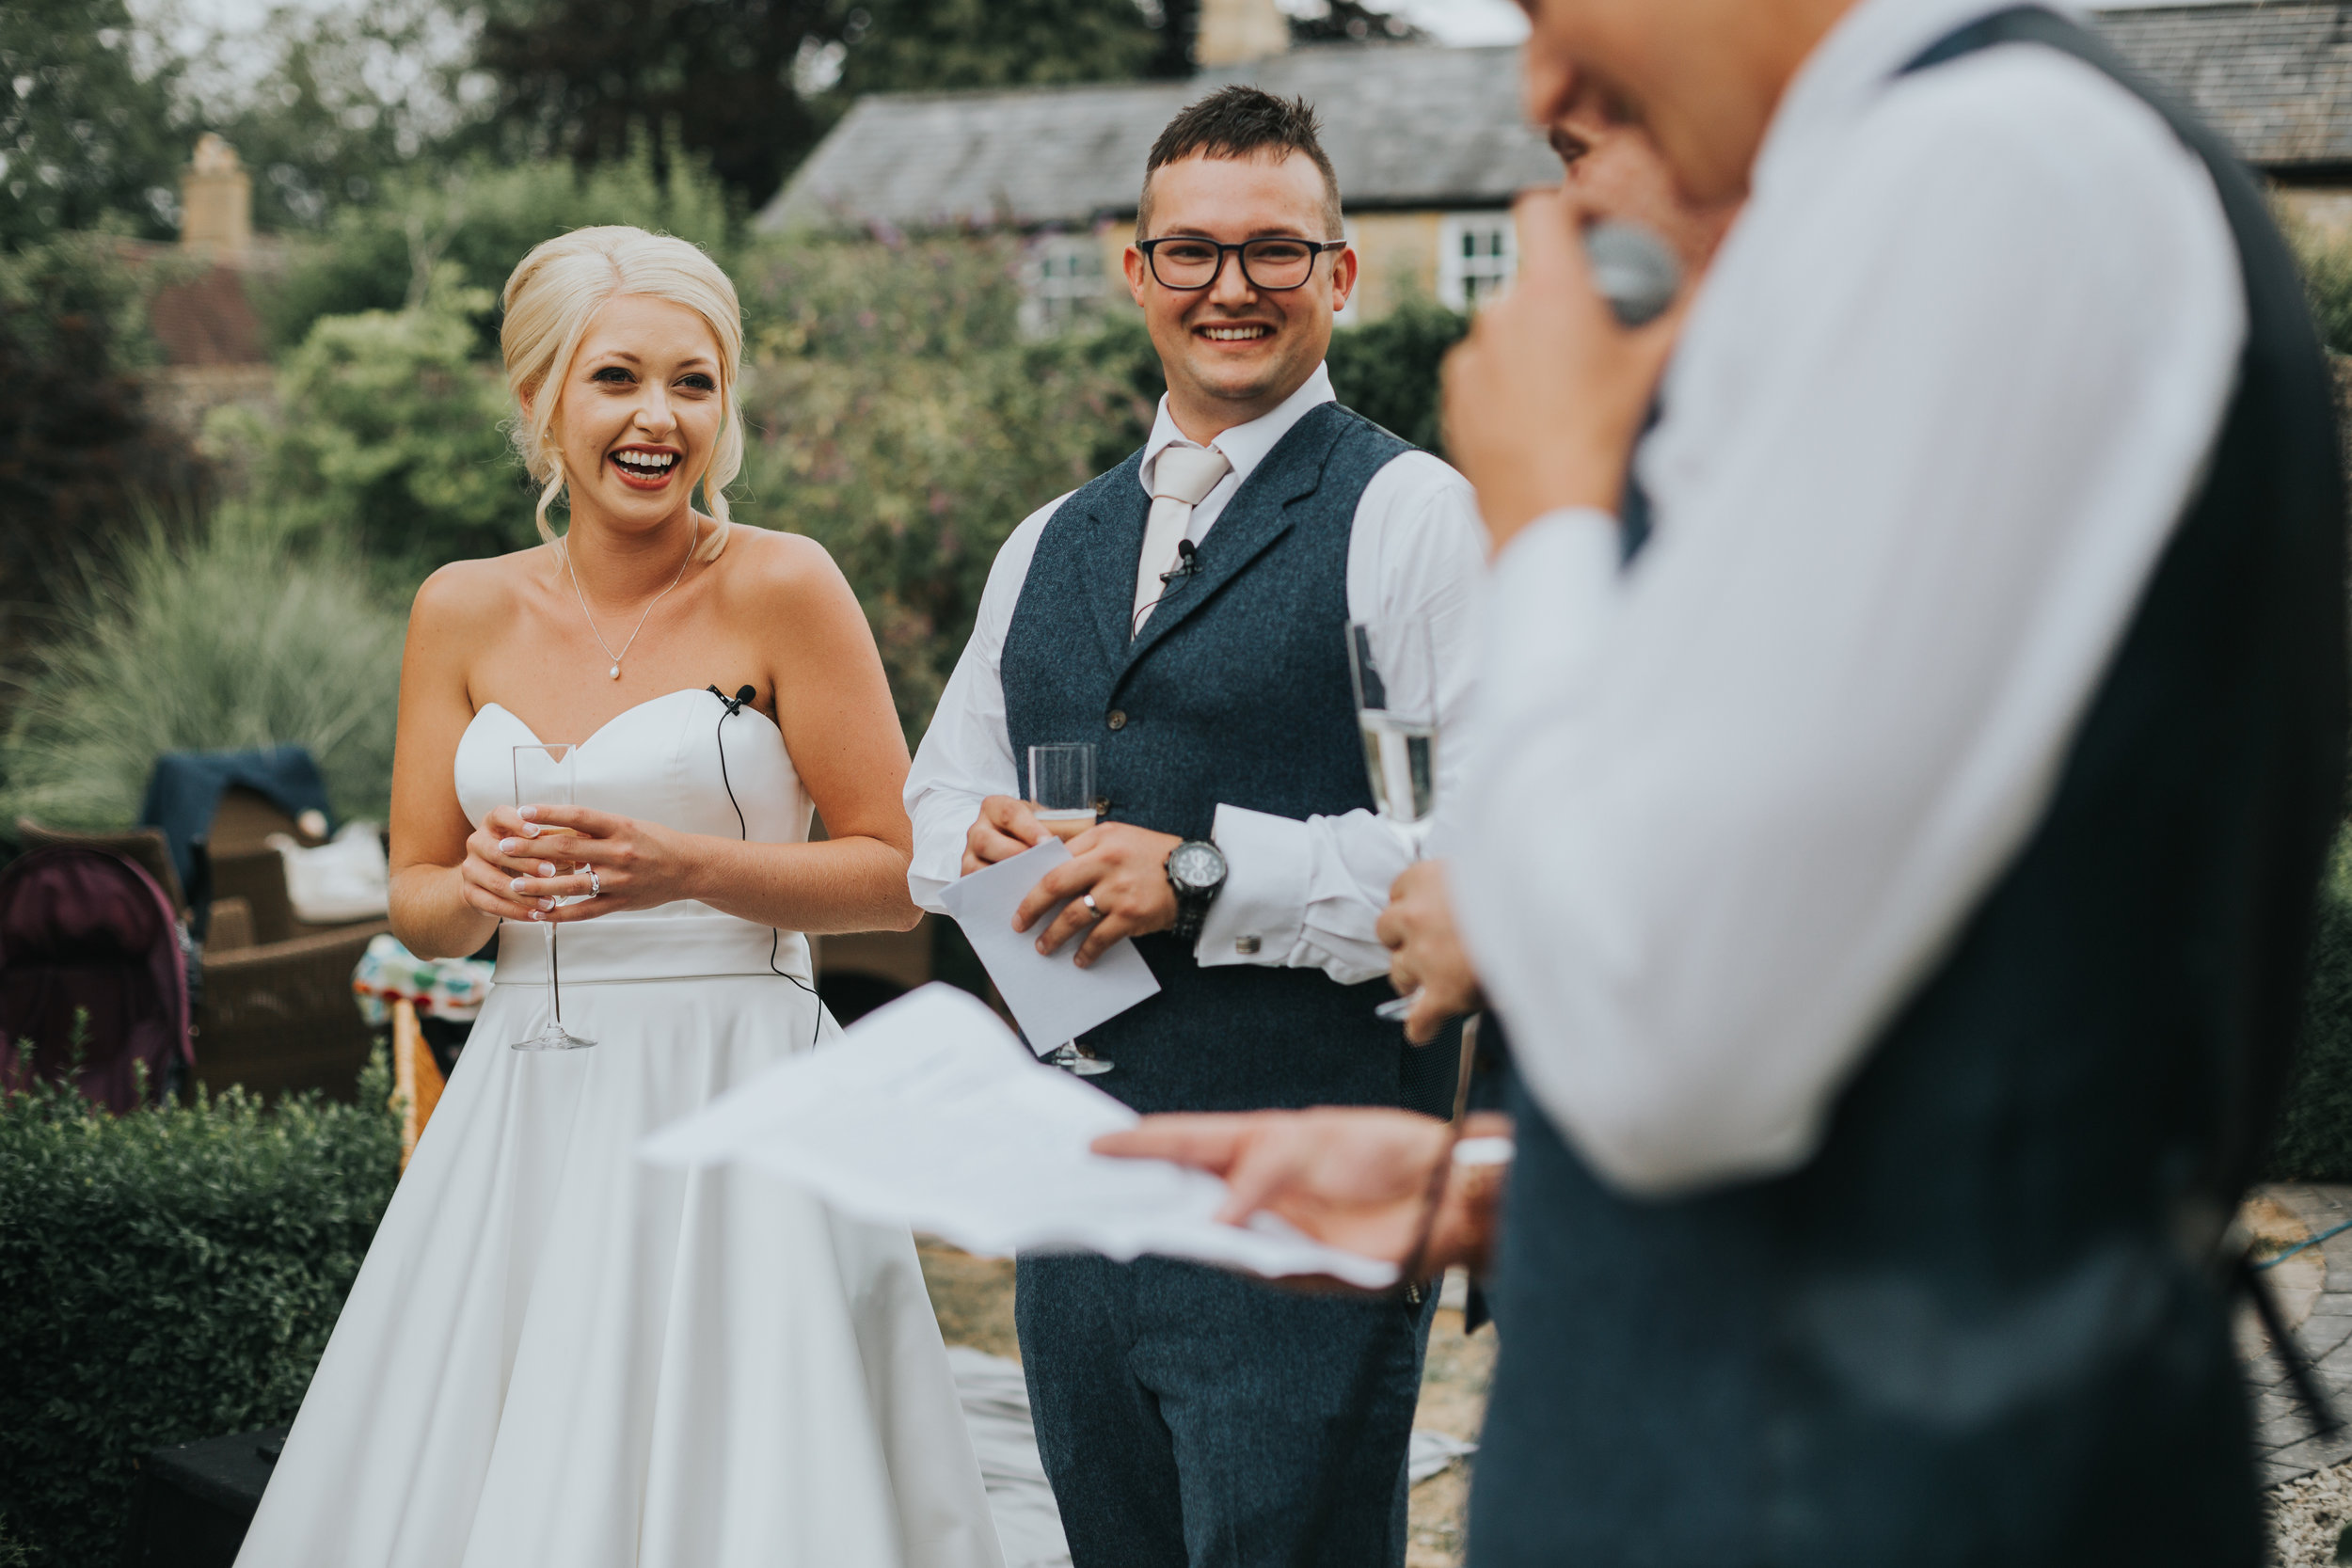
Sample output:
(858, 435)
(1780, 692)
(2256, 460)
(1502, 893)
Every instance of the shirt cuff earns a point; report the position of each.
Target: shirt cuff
(1260, 913)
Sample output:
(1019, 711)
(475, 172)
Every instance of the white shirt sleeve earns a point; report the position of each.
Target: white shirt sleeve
(1920, 455)
(966, 754)
(1306, 894)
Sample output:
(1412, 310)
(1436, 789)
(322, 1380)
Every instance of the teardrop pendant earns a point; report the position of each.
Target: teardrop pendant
(614, 671)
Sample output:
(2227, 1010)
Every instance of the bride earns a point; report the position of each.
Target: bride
(556, 1356)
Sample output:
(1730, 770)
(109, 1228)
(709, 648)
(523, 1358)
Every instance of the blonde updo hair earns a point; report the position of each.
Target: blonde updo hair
(554, 294)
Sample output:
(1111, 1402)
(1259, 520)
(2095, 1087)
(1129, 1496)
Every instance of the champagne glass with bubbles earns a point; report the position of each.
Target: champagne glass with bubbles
(1396, 673)
(542, 777)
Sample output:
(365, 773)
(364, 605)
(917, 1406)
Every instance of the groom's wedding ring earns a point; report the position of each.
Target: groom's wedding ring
(595, 885)
(1093, 908)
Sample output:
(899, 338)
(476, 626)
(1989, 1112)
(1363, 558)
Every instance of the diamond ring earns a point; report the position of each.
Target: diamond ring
(595, 885)
(1093, 908)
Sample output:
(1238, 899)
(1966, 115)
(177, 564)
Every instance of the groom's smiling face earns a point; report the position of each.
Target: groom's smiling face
(1231, 352)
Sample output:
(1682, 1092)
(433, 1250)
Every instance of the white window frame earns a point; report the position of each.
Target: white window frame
(1478, 256)
(1062, 282)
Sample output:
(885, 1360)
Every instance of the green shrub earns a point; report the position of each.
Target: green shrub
(898, 417)
(2314, 1140)
(480, 219)
(229, 638)
(1387, 369)
(167, 1275)
(389, 438)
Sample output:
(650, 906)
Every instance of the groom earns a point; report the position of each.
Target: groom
(1187, 614)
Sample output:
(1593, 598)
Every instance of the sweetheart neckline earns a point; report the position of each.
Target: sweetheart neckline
(663, 697)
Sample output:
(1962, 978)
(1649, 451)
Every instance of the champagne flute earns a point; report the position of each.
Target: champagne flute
(1395, 675)
(542, 777)
(1061, 797)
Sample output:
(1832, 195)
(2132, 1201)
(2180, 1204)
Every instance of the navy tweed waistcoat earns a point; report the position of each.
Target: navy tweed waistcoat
(1237, 693)
(1979, 1326)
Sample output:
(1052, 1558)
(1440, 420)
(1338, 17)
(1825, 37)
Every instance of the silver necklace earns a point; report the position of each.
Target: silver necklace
(616, 670)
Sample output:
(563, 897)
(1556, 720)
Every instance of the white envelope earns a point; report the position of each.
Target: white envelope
(927, 1114)
(1051, 997)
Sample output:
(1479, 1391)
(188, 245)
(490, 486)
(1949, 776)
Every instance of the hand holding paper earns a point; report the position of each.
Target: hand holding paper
(1051, 997)
(927, 1114)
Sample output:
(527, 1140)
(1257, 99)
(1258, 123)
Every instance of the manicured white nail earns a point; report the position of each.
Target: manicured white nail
(508, 845)
(547, 868)
(517, 885)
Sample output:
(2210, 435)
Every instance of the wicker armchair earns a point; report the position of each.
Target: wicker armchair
(279, 1017)
(277, 1013)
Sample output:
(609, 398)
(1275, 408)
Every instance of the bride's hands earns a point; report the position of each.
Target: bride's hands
(637, 865)
(487, 875)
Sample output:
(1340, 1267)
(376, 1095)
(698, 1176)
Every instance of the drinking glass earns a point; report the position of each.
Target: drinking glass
(1395, 675)
(542, 777)
(1061, 796)
(1061, 788)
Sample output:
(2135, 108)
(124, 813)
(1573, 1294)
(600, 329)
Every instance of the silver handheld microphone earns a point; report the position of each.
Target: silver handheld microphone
(1634, 270)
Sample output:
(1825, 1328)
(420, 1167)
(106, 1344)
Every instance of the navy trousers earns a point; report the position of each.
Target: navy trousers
(1193, 1419)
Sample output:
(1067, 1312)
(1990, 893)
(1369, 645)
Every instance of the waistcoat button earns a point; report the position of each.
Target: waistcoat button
(1118, 719)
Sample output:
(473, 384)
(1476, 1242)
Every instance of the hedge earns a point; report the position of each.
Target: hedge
(166, 1275)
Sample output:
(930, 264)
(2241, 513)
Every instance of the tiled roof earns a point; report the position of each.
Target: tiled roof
(1405, 125)
(2273, 76)
(1427, 126)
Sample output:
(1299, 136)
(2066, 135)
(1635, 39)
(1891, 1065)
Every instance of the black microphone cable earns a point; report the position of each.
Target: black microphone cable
(1188, 565)
(733, 706)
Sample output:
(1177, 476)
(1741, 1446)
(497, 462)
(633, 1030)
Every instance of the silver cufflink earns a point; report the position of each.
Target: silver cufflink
(1246, 946)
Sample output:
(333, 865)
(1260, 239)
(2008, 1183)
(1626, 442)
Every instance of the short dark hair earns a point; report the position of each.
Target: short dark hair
(1242, 122)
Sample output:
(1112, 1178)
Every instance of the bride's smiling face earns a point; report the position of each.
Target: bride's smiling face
(638, 415)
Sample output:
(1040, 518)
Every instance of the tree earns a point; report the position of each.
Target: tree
(590, 79)
(932, 45)
(84, 130)
(78, 451)
(345, 100)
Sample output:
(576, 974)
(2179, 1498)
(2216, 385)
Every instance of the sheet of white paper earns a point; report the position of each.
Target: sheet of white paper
(927, 1114)
(1051, 997)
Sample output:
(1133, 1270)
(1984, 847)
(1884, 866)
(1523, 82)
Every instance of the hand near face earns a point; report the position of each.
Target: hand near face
(1426, 951)
(1545, 398)
(1124, 868)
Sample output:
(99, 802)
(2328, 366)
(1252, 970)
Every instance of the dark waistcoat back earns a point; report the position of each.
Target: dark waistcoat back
(1979, 1325)
(1237, 693)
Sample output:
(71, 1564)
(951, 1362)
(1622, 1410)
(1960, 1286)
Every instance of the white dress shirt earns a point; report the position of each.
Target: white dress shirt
(1950, 386)
(1297, 895)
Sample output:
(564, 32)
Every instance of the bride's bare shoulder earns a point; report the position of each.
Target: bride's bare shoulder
(480, 593)
(773, 569)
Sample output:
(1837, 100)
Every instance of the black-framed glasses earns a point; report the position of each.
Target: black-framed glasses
(1275, 263)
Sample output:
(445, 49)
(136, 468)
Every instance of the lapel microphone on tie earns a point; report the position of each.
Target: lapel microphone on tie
(1188, 562)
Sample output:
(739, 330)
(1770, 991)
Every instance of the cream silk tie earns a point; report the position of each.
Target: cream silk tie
(1181, 476)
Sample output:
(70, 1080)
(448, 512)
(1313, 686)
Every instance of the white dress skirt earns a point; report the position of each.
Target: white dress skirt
(557, 1356)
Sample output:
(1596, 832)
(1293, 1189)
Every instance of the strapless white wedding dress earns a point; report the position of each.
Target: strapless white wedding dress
(556, 1356)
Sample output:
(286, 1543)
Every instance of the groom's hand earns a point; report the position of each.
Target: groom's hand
(1124, 868)
(1004, 829)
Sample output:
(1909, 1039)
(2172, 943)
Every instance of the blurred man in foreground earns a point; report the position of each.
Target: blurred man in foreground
(1894, 879)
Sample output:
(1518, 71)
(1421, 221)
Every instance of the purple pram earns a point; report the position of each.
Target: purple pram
(84, 931)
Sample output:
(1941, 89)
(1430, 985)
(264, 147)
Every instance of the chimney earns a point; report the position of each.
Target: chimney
(1234, 32)
(215, 202)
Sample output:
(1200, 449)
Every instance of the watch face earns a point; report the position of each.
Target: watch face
(1195, 867)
